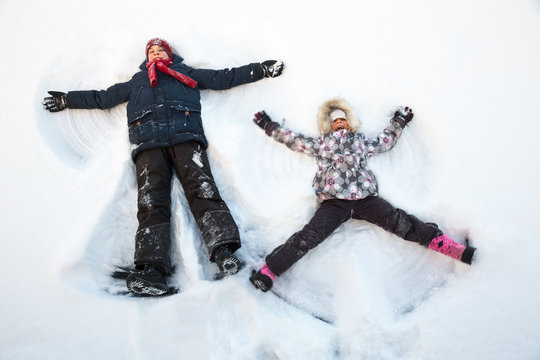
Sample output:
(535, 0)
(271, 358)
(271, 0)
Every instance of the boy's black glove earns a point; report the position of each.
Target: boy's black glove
(403, 115)
(272, 68)
(265, 122)
(56, 102)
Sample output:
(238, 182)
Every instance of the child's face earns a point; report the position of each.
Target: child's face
(340, 124)
(156, 52)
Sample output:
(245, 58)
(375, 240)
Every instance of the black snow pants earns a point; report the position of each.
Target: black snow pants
(334, 212)
(154, 173)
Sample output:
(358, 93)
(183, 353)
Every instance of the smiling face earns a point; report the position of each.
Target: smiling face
(156, 52)
(340, 124)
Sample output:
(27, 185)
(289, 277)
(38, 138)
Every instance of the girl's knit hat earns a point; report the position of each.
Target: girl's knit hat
(337, 114)
(160, 42)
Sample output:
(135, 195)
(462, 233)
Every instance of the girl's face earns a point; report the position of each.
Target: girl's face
(156, 52)
(340, 124)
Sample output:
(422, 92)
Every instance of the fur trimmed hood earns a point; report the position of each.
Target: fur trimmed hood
(323, 116)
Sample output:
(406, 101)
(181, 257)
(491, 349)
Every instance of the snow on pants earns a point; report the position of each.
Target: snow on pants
(154, 174)
(332, 213)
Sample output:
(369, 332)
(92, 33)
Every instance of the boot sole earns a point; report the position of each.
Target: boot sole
(141, 288)
(230, 267)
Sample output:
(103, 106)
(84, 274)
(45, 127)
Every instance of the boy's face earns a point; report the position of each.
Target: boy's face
(156, 52)
(340, 124)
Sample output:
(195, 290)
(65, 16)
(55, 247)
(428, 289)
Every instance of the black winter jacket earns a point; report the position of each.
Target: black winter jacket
(170, 113)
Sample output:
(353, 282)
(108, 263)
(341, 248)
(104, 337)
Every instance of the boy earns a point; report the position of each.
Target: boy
(166, 133)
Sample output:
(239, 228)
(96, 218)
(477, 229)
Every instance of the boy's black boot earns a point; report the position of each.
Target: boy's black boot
(227, 262)
(147, 282)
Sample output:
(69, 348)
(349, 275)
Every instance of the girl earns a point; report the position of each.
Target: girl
(346, 188)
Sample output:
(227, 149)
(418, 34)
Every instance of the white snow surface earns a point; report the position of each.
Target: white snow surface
(468, 161)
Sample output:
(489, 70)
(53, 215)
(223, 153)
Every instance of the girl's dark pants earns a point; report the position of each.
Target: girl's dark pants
(154, 173)
(333, 213)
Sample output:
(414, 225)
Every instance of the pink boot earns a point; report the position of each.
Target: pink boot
(266, 271)
(263, 279)
(449, 247)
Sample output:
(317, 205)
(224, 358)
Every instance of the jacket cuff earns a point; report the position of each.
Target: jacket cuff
(269, 129)
(258, 72)
(400, 121)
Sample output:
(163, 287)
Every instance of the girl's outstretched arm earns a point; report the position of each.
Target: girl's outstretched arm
(391, 134)
(294, 141)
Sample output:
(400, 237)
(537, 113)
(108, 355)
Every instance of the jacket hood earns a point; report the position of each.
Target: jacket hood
(176, 60)
(323, 115)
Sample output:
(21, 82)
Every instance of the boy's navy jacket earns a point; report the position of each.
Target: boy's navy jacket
(169, 113)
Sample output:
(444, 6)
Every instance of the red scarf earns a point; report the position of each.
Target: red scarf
(163, 66)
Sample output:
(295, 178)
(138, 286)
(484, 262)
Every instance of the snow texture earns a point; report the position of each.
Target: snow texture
(197, 159)
(468, 161)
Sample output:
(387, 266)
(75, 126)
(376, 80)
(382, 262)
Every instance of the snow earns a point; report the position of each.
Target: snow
(469, 162)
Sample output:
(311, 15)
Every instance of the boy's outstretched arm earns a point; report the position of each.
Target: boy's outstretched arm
(88, 99)
(228, 78)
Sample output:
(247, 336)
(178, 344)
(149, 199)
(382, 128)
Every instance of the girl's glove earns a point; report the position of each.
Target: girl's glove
(265, 122)
(272, 68)
(56, 102)
(403, 115)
